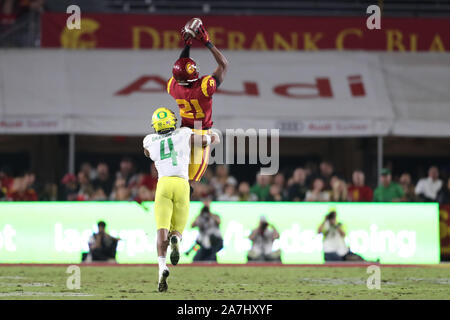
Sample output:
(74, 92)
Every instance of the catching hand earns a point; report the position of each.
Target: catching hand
(202, 35)
(186, 37)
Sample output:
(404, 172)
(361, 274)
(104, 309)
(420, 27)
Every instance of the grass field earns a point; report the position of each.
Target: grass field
(236, 283)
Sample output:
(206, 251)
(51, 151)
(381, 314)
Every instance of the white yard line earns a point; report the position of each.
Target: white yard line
(44, 294)
(25, 284)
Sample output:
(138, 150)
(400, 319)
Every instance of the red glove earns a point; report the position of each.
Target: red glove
(202, 35)
(187, 38)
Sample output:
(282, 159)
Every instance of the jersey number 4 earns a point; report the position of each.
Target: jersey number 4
(186, 109)
(171, 154)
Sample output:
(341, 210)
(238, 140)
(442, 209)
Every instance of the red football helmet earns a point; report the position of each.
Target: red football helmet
(185, 71)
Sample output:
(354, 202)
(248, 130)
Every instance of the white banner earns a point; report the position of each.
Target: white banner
(116, 91)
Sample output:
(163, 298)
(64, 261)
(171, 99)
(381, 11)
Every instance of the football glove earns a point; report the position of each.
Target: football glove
(186, 37)
(202, 35)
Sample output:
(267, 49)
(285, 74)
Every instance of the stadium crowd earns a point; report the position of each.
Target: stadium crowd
(303, 184)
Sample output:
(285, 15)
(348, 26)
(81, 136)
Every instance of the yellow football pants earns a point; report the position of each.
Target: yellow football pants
(199, 159)
(172, 203)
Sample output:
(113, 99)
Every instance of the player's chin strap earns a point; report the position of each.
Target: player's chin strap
(187, 83)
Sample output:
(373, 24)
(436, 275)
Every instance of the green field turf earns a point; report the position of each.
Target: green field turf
(46, 282)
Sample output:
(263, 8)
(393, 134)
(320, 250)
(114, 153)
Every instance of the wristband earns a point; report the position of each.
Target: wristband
(209, 45)
(208, 140)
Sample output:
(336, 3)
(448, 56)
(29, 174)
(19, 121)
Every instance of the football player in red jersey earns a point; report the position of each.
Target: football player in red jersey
(194, 96)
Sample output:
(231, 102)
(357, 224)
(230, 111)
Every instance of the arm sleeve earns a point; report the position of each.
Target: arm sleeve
(185, 52)
(217, 81)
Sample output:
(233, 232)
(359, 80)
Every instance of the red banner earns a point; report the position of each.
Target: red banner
(248, 32)
(444, 223)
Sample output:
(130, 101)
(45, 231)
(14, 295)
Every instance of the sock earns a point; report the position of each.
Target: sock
(162, 263)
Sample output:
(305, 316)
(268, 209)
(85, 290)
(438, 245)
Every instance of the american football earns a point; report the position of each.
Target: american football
(191, 27)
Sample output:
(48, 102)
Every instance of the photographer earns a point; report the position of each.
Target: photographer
(263, 237)
(334, 246)
(210, 238)
(102, 246)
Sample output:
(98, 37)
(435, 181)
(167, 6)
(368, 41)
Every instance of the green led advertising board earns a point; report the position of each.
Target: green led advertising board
(58, 232)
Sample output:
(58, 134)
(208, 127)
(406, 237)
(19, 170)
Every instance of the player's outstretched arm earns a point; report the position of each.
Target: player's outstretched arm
(222, 62)
(187, 44)
(203, 140)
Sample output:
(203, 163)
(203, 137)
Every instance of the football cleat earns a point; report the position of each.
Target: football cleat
(162, 285)
(175, 254)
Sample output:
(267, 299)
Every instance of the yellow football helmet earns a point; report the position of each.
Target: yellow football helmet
(163, 120)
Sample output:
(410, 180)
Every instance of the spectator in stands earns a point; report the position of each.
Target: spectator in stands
(126, 172)
(262, 239)
(88, 171)
(103, 180)
(69, 188)
(262, 187)
(443, 196)
(229, 194)
(427, 188)
(280, 181)
(358, 191)
(297, 190)
(149, 180)
(388, 191)
(144, 194)
(326, 172)
(49, 192)
(408, 187)
(98, 195)
(244, 192)
(202, 192)
(221, 179)
(311, 168)
(275, 193)
(339, 190)
(85, 189)
(22, 188)
(317, 193)
(102, 246)
(120, 191)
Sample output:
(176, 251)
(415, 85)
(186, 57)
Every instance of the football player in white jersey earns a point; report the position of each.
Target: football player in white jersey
(170, 149)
